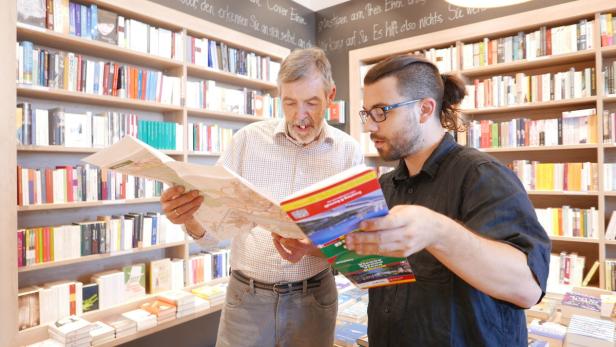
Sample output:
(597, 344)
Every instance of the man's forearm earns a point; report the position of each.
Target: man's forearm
(493, 267)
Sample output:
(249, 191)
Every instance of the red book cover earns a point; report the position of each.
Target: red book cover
(46, 245)
(123, 187)
(19, 187)
(560, 222)
(548, 39)
(209, 138)
(49, 185)
(114, 86)
(72, 298)
(69, 184)
(135, 81)
(144, 84)
(334, 112)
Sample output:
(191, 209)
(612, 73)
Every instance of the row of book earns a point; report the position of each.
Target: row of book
(44, 67)
(520, 89)
(208, 265)
(107, 235)
(218, 55)
(609, 78)
(569, 222)
(210, 138)
(94, 23)
(542, 42)
(75, 331)
(566, 269)
(607, 29)
(65, 184)
(209, 95)
(574, 127)
(161, 135)
(576, 177)
(38, 305)
(45, 127)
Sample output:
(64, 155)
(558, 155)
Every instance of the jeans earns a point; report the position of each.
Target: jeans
(259, 317)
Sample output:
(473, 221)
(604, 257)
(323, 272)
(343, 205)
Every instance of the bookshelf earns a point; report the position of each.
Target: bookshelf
(12, 216)
(564, 14)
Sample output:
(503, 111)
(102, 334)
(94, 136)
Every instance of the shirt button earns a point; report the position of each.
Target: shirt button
(411, 190)
(387, 310)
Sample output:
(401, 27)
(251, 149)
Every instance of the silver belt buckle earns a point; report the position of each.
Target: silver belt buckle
(281, 287)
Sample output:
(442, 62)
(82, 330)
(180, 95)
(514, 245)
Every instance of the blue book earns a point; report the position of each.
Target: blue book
(93, 22)
(347, 333)
(139, 79)
(78, 20)
(97, 71)
(72, 18)
(27, 48)
(84, 21)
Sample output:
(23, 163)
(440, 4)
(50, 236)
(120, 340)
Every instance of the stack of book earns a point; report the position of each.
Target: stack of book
(587, 331)
(184, 302)
(550, 332)
(163, 311)
(144, 319)
(122, 325)
(71, 331)
(580, 304)
(347, 333)
(214, 294)
(101, 333)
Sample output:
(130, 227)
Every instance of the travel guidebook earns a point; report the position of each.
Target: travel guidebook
(324, 212)
(329, 210)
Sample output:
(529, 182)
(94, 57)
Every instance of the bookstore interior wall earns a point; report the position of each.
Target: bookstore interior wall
(541, 99)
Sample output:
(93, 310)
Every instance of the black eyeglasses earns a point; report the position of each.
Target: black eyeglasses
(379, 113)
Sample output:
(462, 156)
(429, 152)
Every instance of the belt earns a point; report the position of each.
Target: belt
(283, 287)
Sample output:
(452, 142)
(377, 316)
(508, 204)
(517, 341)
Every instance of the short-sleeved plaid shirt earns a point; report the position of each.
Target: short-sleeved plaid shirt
(264, 154)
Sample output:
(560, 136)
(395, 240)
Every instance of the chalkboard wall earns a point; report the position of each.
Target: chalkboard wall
(357, 24)
(282, 22)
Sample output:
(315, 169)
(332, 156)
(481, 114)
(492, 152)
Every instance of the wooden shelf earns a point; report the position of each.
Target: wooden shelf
(610, 242)
(532, 106)
(40, 332)
(62, 149)
(552, 60)
(227, 77)
(94, 257)
(573, 239)
(610, 193)
(203, 154)
(609, 98)
(563, 193)
(609, 51)
(538, 148)
(81, 204)
(93, 48)
(223, 115)
(101, 100)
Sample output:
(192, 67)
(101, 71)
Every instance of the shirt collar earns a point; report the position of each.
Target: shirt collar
(326, 135)
(431, 165)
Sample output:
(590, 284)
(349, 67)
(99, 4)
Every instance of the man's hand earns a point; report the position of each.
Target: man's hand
(180, 206)
(406, 230)
(293, 250)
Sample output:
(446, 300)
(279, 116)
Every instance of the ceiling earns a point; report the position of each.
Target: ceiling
(317, 5)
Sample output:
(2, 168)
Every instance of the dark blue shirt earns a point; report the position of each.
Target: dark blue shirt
(440, 309)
